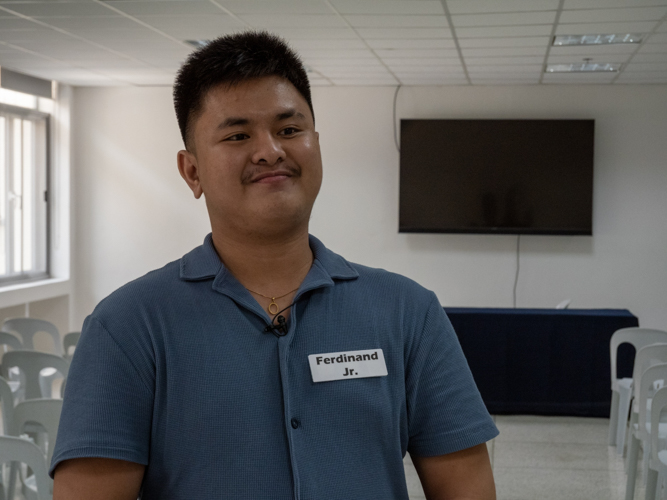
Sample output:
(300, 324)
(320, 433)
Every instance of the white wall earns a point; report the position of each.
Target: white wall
(133, 213)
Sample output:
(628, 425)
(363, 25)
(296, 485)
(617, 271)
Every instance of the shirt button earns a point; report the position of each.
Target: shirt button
(295, 423)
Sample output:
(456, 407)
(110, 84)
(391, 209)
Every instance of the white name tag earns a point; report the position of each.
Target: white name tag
(347, 365)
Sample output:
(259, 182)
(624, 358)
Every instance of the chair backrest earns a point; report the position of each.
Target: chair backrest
(658, 404)
(70, 339)
(30, 363)
(13, 449)
(45, 413)
(10, 340)
(28, 327)
(638, 337)
(7, 405)
(646, 357)
(652, 374)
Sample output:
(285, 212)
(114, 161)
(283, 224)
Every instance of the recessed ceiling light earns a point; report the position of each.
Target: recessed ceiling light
(585, 67)
(562, 40)
(198, 43)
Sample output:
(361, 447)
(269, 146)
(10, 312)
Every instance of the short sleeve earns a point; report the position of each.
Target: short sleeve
(108, 402)
(445, 410)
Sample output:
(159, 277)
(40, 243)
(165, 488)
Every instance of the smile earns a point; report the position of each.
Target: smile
(271, 177)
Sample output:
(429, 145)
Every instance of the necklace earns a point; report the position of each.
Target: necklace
(273, 303)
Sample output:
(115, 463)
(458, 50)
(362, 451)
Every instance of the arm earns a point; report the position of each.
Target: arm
(97, 479)
(462, 475)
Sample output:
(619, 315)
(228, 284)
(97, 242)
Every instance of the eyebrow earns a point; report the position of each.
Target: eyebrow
(234, 121)
(289, 114)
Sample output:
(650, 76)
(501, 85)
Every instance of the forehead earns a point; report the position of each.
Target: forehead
(258, 96)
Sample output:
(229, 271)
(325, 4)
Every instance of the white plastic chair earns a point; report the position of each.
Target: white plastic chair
(27, 328)
(7, 405)
(13, 449)
(70, 340)
(658, 457)
(10, 340)
(622, 388)
(645, 357)
(640, 432)
(30, 364)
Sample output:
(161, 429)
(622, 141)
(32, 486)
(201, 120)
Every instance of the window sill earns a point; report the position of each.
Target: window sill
(22, 293)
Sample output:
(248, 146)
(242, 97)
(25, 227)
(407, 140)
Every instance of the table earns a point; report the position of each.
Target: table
(543, 361)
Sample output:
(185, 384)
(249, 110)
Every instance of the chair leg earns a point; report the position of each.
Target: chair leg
(625, 398)
(613, 418)
(651, 484)
(633, 456)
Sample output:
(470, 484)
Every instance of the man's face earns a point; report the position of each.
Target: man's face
(256, 157)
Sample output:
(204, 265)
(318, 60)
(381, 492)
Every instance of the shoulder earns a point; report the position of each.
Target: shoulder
(154, 289)
(387, 283)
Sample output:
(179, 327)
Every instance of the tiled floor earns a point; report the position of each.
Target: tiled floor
(564, 458)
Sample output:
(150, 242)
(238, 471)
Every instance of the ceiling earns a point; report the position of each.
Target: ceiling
(342, 42)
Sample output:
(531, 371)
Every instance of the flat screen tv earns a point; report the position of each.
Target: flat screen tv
(496, 176)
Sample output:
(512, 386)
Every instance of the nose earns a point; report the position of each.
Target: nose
(268, 149)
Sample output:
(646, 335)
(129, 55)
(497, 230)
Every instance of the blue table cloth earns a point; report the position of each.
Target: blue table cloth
(543, 361)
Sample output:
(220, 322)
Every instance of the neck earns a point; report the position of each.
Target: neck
(271, 267)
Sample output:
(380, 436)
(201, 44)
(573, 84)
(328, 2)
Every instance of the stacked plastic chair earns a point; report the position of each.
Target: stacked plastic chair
(622, 388)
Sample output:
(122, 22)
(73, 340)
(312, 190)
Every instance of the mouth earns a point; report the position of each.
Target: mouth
(272, 176)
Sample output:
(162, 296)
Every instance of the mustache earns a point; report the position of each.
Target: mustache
(251, 173)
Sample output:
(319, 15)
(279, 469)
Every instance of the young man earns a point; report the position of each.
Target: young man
(262, 365)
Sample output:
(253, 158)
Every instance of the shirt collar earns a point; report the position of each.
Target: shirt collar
(203, 263)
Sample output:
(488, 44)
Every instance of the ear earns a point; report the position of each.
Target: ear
(187, 166)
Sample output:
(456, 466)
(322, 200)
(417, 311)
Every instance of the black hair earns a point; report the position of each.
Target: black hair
(230, 60)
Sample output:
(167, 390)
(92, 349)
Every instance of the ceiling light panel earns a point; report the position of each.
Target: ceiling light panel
(559, 59)
(578, 78)
(598, 39)
(594, 51)
(585, 67)
(378, 21)
(494, 6)
(509, 19)
(587, 28)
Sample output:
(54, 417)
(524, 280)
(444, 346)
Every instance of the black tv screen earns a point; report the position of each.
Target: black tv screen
(496, 176)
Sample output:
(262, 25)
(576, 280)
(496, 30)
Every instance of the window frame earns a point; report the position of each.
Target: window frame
(28, 277)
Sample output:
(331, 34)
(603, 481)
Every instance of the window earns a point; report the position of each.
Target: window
(24, 139)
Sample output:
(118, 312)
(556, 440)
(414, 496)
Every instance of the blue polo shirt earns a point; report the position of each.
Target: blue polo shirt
(175, 371)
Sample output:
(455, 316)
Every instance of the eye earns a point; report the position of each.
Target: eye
(236, 137)
(289, 131)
